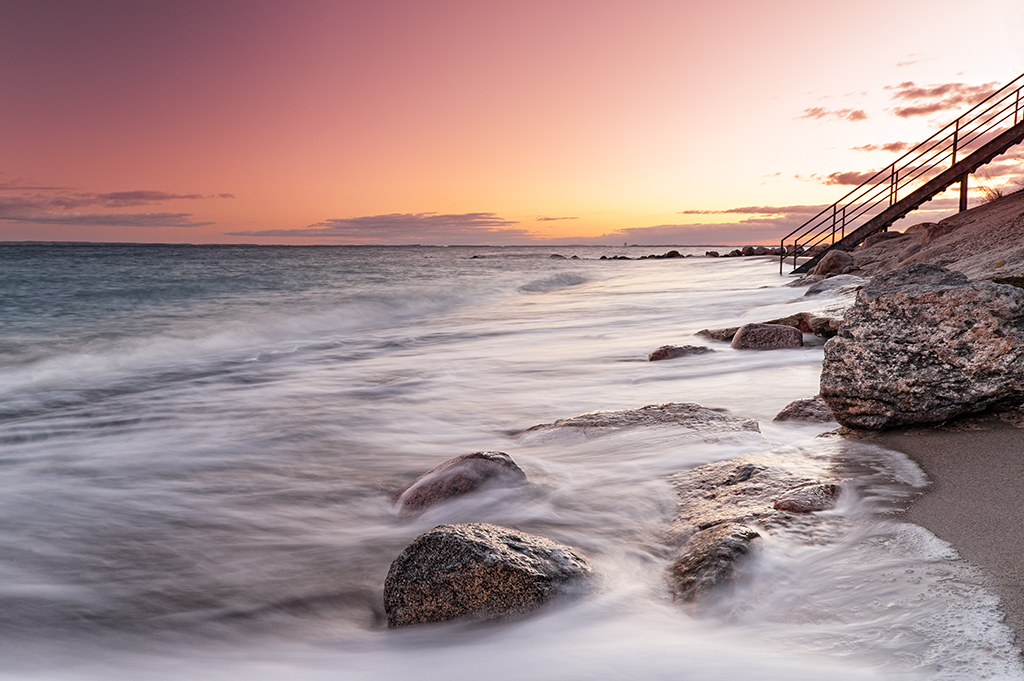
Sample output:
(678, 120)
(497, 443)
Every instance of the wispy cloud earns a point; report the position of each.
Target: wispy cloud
(916, 100)
(546, 219)
(32, 204)
(888, 146)
(399, 228)
(819, 112)
(756, 210)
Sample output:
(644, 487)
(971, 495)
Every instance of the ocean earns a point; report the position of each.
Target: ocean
(199, 447)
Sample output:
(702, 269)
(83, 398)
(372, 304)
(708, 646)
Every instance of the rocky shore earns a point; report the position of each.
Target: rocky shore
(927, 359)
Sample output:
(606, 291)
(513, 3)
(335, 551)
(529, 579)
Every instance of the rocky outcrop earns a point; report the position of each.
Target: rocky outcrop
(686, 414)
(767, 337)
(674, 351)
(808, 409)
(840, 283)
(725, 334)
(481, 571)
(923, 344)
(458, 476)
(725, 506)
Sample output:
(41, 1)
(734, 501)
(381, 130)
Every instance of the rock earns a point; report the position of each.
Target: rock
(879, 237)
(819, 496)
(685, 414)
(478, 570)
(747, 250)
(711, 254)
(760, 250)
(459, 476)
(734, 253)
(767, 337)
(923, 344)
(806, 280)
(833, 262)
(709, 559)
(808, 409)
(555, 256)
(919, 227)
(840, 283)
(937, 231)
(719, 334)
(724, 506)
(673, 351)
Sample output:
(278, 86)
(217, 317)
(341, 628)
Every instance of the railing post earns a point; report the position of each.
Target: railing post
(892, 185)
(956, 138)
(833, 223)
(844, 222)
(1016, 107)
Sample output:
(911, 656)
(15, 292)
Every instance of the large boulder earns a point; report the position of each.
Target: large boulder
(725, 334)
(709, 559)
(923, 344)
(767, 337)
(480, 571)
(456, 477)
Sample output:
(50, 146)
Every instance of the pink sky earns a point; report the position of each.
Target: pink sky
(471, 122)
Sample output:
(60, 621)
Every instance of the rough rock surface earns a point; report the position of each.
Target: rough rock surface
(725, 334)
(459, 476)
(809, 498)
(808, 409)
(709, 559)
(673, 351)
(923, 344)
(686, 414)
(834, 262)
(738, 499)
(840, 283)
(823, 321)
(767, 337)
(478, 570)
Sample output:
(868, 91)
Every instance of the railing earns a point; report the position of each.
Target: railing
(1000, 111)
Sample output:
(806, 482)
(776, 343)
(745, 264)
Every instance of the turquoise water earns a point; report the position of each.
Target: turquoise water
(198, 447)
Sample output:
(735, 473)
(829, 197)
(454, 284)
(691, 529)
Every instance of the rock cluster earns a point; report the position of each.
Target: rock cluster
(922, 344)
(478, 570)
(456, 477)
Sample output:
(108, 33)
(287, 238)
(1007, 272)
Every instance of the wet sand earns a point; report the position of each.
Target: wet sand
(975, 501)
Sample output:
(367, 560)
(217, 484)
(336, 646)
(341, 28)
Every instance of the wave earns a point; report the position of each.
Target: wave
(559, 281)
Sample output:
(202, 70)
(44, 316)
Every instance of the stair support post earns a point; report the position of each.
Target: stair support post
(963, 193)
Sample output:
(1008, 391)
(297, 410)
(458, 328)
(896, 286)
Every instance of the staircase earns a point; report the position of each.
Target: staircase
(950, 155)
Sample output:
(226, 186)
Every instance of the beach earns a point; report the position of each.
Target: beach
(973, 500)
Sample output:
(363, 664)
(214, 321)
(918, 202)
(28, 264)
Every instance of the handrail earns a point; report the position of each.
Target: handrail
(985, 120)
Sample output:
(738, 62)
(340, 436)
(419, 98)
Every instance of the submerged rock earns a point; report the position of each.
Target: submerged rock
(709, 559)
(686, 414)
(673, 351)
(807, 409)
(767, 337)
(809, 498)
(724, 506)
(459, 476)
(923, 344)
(478, 570)
(725, 334)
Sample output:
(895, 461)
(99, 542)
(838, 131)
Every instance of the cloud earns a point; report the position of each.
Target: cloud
(888, 146)
(756, 210)
(916, 100)
(551, 219)
(399, 228)
(819, 112)
(57, 206)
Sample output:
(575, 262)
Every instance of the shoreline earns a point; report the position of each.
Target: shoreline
(974, 499)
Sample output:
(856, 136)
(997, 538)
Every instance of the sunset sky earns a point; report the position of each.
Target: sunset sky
(472, 122)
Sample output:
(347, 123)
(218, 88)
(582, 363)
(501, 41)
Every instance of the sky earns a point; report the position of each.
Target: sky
(475, 122)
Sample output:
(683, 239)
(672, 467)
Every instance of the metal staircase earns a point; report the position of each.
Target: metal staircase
(983, 133)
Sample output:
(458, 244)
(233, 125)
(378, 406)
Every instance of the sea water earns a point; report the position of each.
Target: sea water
(199, 447)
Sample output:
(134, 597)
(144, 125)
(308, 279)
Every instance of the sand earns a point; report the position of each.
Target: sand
(975, 500)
